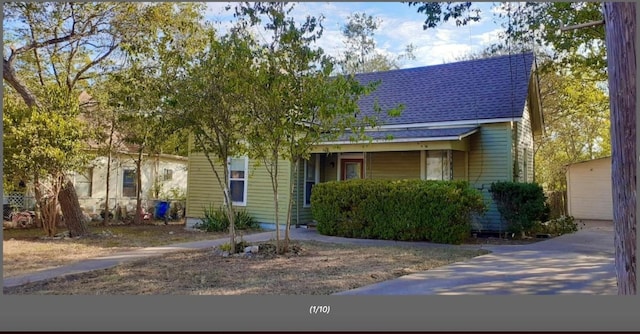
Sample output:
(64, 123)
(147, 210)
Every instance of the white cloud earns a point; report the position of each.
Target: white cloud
(216, 9)
(399, 27)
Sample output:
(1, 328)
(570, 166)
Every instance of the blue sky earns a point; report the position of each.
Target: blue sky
(401, 25)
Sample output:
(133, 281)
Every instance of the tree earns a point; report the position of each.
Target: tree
(42, 144)
(103, 120)
(538, 24)
(361, 55)
(619, 37)
(212, 103)
(576, 114)
(297, 101)
(70, 45)
(620, 20)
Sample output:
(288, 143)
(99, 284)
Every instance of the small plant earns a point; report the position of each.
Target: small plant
(216, 220)
(244, 221)
(225, 247)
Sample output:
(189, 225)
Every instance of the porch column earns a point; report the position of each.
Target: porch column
(450, 160)
(423, 165)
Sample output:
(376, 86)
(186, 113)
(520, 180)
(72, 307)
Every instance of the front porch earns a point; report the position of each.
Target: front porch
(441, 158)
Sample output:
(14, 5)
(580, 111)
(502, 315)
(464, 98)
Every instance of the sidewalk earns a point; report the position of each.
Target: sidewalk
(113, 260)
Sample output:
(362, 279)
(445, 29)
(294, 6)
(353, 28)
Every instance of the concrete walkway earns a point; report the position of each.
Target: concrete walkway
(577, 263)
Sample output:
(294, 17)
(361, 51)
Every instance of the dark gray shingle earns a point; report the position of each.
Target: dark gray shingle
(468, 90)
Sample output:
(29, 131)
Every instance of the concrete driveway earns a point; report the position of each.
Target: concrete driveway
(578, 263)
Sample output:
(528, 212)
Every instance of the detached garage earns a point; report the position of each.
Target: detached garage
(589, 189)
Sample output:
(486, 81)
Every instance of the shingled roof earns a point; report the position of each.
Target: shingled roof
(490, 88)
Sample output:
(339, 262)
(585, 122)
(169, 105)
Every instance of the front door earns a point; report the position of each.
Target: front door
(352, 169)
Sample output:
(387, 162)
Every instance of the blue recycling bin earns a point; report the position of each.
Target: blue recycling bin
(161, 209)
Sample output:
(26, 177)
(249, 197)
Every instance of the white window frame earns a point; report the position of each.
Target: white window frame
(88, 176)
(245, 179)
(316, 179)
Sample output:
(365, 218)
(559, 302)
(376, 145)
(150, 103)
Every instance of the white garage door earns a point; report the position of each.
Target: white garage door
(589, 189)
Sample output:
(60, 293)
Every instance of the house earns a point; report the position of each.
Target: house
(589, 194)
(472, 120)
(163, 177)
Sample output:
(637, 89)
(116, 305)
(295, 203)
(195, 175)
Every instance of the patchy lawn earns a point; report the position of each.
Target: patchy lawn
(314, 268)
(26, 250)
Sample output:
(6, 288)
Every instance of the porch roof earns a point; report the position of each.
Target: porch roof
(411, 135)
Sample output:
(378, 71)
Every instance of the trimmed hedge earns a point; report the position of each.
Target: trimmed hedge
(436, 211)
(520, 204)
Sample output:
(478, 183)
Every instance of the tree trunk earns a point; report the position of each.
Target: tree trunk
(295, 167)
(38, 196)
(620, 30)
(105, 221)
(73, 217)
(138, 216)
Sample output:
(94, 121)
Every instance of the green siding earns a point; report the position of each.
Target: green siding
(260, 202)
(525, 148)
(202, 186)
(393, 165)
(203, 189)
(490, 161)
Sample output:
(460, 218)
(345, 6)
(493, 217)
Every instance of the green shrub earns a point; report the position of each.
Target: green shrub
(244, 221)
(437, 211)
(216, 220)
(520, 204)
(558, 226)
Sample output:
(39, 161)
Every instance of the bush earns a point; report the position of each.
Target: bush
(437, 211)
(216, 220)
(520, 204)
(558, 226)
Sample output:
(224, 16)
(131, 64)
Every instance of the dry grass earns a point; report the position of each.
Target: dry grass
(317, 269)
(25, 250)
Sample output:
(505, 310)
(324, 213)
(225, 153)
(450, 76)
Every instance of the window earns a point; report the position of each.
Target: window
(168, 174)
(83, 181)
(238, 180)
(311, 177)
(438, 165)
(129, 188)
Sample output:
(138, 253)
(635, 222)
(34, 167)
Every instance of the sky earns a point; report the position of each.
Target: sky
(401, 25)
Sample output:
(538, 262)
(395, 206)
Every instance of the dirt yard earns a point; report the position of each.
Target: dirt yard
(313, 268)
(26, 250)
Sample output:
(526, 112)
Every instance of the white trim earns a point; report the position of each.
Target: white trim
(245, 179)
(402, 140)
(135, 181)
(450, 123)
